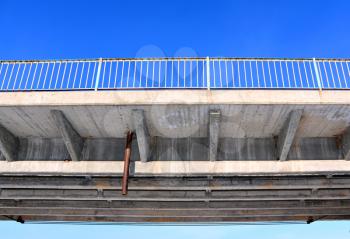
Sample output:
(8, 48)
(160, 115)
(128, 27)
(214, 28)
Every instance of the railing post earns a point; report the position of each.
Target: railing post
(319, 83)
(208, 73)
(97, 81)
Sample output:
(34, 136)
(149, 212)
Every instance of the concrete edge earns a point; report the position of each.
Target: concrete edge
(165, 168)
(151, 97)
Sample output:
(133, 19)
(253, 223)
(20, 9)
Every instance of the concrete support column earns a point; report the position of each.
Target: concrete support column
(214, 130)
(73, 141)
(143, 137)
(346, 144)
(8, 144)
(287, 134)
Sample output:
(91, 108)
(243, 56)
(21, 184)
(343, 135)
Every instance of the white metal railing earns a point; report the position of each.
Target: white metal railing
(174, 73)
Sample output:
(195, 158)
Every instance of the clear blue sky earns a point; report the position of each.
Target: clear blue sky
(79, 29)
(246, 28)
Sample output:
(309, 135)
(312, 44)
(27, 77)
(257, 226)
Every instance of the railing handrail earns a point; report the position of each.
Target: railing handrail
(181, 72)
(175, 59)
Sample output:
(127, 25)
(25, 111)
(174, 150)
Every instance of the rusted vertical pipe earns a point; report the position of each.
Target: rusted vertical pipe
(127, 154)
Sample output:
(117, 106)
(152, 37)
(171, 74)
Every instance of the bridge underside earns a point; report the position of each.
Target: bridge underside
(176, 199)
(198, 156)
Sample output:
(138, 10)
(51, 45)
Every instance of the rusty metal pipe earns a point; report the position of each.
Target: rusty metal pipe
(127, 154)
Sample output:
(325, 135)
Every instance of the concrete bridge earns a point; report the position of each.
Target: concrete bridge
(195, 154)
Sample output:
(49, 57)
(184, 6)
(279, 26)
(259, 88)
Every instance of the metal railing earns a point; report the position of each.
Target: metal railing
(174, 73)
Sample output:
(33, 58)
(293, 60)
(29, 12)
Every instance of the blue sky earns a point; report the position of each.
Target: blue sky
(320, 230)
(247, 28)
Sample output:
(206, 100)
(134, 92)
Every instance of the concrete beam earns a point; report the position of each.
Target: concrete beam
(143, 137)
(177, 183)
(9, 144)
(179, 149)
(286, 136)
(234, 213)
(214, 131)
(173, 97)
(346, 144)
(178, 168)
(73, 141)
(128, 205)
(258, 218)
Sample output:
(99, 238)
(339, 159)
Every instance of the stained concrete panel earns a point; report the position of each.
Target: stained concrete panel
(238, 121)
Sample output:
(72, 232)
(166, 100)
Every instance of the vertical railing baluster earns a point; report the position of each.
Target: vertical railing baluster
(128, 77)
(116, 74)
(58, 74)
(8, 82)
(154, 62)
(263, 73)
(103, 74)
(97, 80)
(4, 78)
(15, 82)
(342, 69)
(233, 74)
(81, 74)
(312, 74)
(30, 69)
(208, 72)
(41, 71)
(110, 74)
(166, 73)
(251, 73)
(317, 73)
(270, 77)
(226, 80)
(133, 83)
(140, 82)
(239, 75)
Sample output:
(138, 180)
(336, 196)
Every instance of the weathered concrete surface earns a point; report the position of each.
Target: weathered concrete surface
(73, 141)
(179, 129)
(177, 121)
(173, 97)
(178, 183)
(176, 199)
(8, 144)
(214, 132)
(346, 144)
(173, 168)
(143, 137)
(287, 134)
(180, 149)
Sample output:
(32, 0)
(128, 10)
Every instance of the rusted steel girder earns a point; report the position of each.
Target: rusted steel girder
(127, 154)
